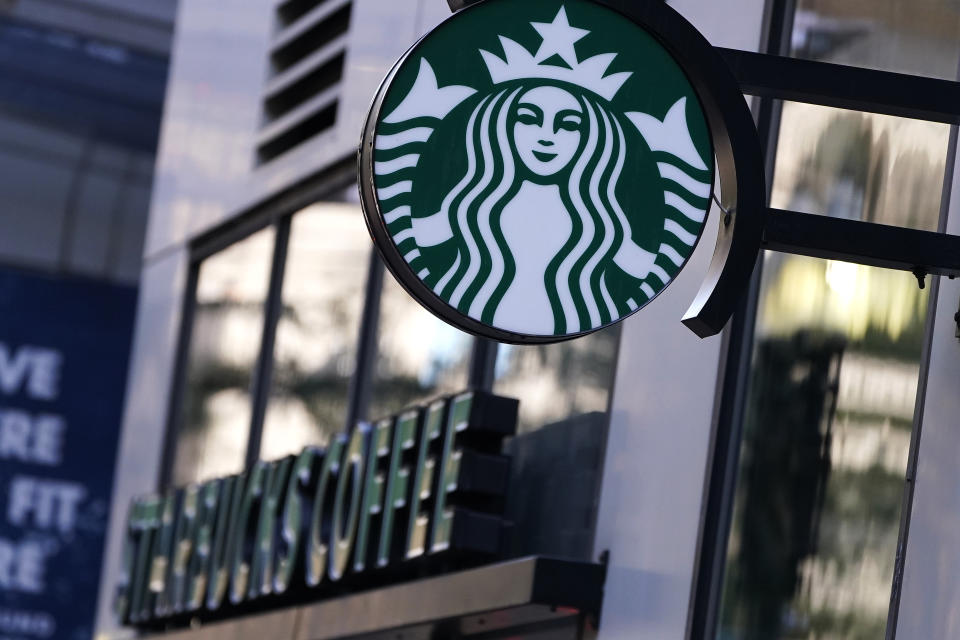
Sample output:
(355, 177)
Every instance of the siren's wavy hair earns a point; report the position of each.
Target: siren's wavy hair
(575, 278)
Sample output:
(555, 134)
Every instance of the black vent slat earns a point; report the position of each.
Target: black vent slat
(321, 11)
(292, 95)
(290, 11)
(311, 126)
(279, 126)
(307, 42)
(294, 74)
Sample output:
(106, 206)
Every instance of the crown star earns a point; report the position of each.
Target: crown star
(558, 38)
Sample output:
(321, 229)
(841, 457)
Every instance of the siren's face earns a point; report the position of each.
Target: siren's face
(547, 130)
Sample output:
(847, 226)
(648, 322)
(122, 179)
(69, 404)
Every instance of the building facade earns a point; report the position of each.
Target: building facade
(767, 483)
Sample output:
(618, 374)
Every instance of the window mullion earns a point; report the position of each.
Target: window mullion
(262, 375)
(361, 381)
(174, 420)
(483, 359)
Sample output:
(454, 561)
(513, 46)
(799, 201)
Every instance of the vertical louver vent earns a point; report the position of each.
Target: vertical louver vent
(306, 65)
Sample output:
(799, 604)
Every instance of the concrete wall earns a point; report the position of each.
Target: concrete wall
(661, 421)
(81, 89)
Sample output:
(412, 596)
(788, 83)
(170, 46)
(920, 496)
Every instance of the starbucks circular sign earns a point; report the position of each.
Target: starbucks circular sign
(535, 170)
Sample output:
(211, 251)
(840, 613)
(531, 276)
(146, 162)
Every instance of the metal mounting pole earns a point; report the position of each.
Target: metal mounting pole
(456, 5)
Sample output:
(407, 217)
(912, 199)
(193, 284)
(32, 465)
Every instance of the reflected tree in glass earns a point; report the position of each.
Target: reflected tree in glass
(558, 381)
(224, 346)
(826, 438)
(315, 351)
(917, 36)
(860, 166)
(418, 355)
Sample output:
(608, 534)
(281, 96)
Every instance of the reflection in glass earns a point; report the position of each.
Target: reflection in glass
(916, 36)
(224, 344)
(558, 381)
(826, 437)
(862, 166)
(418, 355)
(836, 355)
(315, 350)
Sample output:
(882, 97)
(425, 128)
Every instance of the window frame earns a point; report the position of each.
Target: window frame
(278, 213)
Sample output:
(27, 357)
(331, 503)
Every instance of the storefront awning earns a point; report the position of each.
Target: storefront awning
(531, 591)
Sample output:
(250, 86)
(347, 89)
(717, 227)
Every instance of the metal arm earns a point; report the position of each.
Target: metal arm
(456, 5)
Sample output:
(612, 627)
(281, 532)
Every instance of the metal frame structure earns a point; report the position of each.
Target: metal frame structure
(882, 92)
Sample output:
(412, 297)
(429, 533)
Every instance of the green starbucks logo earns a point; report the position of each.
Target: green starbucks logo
(542, 168)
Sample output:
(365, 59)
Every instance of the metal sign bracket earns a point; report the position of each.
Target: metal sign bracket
(456, 5)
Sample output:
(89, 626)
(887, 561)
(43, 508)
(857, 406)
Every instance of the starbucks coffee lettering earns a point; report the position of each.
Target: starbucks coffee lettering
(372, 506)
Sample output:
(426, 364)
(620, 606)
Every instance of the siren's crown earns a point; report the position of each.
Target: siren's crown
(558, 40)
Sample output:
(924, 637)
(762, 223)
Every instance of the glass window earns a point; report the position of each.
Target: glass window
(224, 344)
(418, 355)
(558, 381)
(830, 398)
(862, 166)
(556, 459)
(315, 351)
(909, 36)
(33, 228)
(826, 438)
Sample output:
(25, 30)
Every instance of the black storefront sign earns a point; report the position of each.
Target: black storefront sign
(418, 493)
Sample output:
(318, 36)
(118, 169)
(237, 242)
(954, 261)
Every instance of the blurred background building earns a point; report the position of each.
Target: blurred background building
(81, 88)
(82, 84)
(753, 486)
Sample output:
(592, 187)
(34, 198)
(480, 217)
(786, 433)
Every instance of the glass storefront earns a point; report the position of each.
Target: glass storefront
(837, 347)
(315, 374)
(836, 355)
